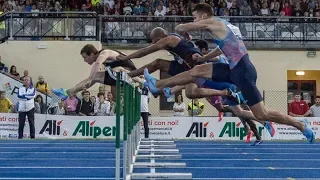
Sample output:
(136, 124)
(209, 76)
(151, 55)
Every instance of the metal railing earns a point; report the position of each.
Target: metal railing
(36, 26)
(257, 31)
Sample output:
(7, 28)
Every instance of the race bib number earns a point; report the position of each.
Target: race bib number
(235, 30)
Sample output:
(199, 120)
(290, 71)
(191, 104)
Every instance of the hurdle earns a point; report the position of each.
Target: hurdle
(135, 148)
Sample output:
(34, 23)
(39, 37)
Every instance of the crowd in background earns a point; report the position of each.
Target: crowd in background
(306, 8)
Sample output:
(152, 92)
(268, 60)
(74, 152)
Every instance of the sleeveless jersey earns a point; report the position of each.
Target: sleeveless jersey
(232, 45)
(126, 64)
(184, 50)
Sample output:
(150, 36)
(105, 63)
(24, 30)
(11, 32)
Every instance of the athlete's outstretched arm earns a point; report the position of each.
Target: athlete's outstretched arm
(213, 54)
(161, 44)
(96, 71)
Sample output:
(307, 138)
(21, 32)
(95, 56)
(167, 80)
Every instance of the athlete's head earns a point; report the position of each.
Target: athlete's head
(202, 11)
(157, 34)
(89, 53)
(203, 46)
(317, 100)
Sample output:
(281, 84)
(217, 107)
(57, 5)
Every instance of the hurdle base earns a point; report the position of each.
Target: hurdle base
(177, 156)
(159, 165)
(158, 146)
(161, 176)
(159, 151)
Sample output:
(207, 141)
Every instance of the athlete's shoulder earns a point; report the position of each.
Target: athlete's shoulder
(111, 51)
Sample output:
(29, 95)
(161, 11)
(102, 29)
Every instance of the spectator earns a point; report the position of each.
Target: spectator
(297, 11)
(110, 2)
(144, 109)
(5, 104)
(85, 106)
(234, 11)
(42, 86)
(101, 107)
(1, 65)
(160, 11)
(255, 9)
(287, 9)
(59, 109)
(265, 11)
(179, 106)
(40, 106)
(112, 104)
(315, 109)
(127, 10)
(26, 73)
(94, 99)
(195, 108)
(13, 72)
(245, 9)
(138, 9)
(70, 105)
(26, 95)
(98, 8)
(299, 108)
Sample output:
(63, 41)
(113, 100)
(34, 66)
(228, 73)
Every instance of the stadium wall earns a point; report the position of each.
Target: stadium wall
(62, 66)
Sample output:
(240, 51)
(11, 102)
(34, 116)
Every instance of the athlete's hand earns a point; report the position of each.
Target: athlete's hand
(197, 57)
(121, 58)
(187, 36)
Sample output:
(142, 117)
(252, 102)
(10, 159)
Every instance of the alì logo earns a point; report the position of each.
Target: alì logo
(52, 127)
(87, 128)
(231, 129)
(199, 129)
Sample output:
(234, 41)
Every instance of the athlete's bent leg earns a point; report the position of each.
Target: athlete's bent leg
(192, 91)
(203, 71)
(158, 64)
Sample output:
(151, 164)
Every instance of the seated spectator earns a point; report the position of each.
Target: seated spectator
(315, 109)
(138, 9)
(94, 99)
(127, 10)
(299, 108)
(1, 65)
(179, 106)
(13, 72)
(70, 105)
(245, 9)
(195, 108)
(85, 106)
(26, 73)
(160, 11)
(6, 105)
(112, 104)
(101, 107)
(59, 110)
(40, 106)
(42, 86)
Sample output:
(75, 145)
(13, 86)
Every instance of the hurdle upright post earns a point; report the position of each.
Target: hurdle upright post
(118, 114)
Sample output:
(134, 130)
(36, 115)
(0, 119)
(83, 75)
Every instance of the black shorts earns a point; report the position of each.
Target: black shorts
(110, 77)
(221, 72)
(244, 76)
(177, 68)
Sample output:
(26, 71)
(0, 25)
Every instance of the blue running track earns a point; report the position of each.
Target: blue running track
(95, 160)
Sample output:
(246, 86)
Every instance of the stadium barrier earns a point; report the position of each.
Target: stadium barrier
(103, 127)
(257, 31)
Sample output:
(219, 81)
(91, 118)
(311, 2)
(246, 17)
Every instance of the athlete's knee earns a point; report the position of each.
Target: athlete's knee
(262, 115)
(158, 62)
(194, 72)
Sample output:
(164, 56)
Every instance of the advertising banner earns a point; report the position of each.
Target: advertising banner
(103, 127)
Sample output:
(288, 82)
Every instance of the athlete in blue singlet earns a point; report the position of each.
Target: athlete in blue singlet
(218, 101)
(242, 72)
(184, 51)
